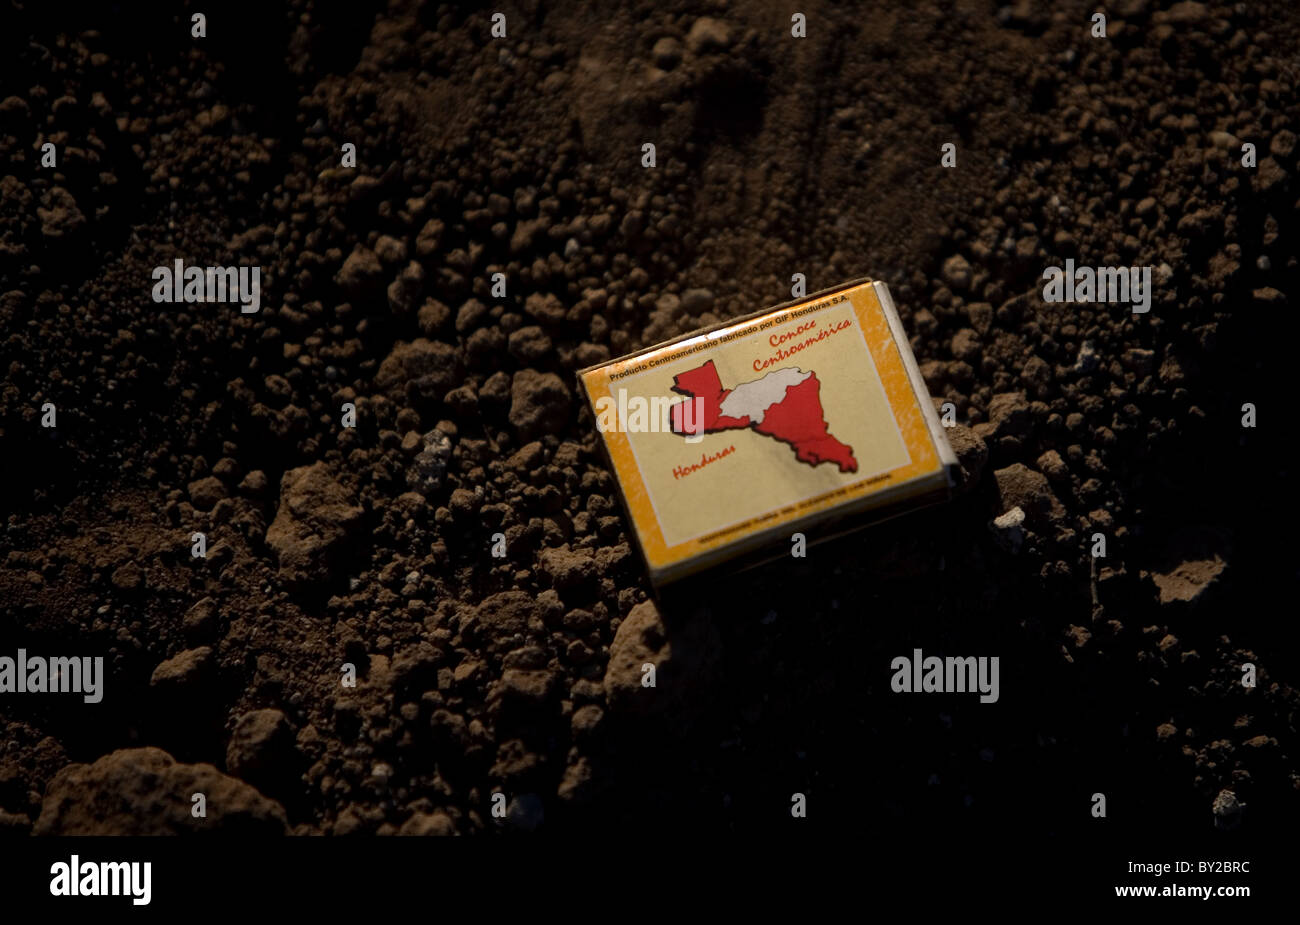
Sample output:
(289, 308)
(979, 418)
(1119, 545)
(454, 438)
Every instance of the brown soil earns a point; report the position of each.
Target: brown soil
(522, 155)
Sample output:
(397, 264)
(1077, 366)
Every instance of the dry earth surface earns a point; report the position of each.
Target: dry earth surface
(522, 155)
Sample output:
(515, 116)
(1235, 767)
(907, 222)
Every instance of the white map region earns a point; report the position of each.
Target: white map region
(752, 399)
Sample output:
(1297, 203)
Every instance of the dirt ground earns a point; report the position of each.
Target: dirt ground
(522, 155)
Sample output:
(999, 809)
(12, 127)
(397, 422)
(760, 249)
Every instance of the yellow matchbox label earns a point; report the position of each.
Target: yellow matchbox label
(734, 434)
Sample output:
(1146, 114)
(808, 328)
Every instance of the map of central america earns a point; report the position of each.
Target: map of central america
(784, 404)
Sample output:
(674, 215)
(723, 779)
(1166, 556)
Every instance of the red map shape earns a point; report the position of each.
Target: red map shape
(798, 419)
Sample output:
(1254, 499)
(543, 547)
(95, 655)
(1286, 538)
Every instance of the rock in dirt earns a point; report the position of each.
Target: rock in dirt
(361, 272)
(708, 34)
(431, 365)
(957, 272)
(430, 464)
(1009, 530)
(681, 655)
(566, 568)
(539, 403)
(144, 791)
(1188, 581)
(127, 577)
(60, 217)
(183, 671)
(261, 745)
(667, 53)
(521, 692)
(1008, 417)
(313, 524)
(697, 301)
(972, 454)
(206, 492)
(506, 613)
(200, 621)
(435, 823)
(1022, 487)
(1227, 810)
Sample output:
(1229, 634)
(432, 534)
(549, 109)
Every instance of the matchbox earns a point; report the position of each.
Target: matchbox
(735, 437)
